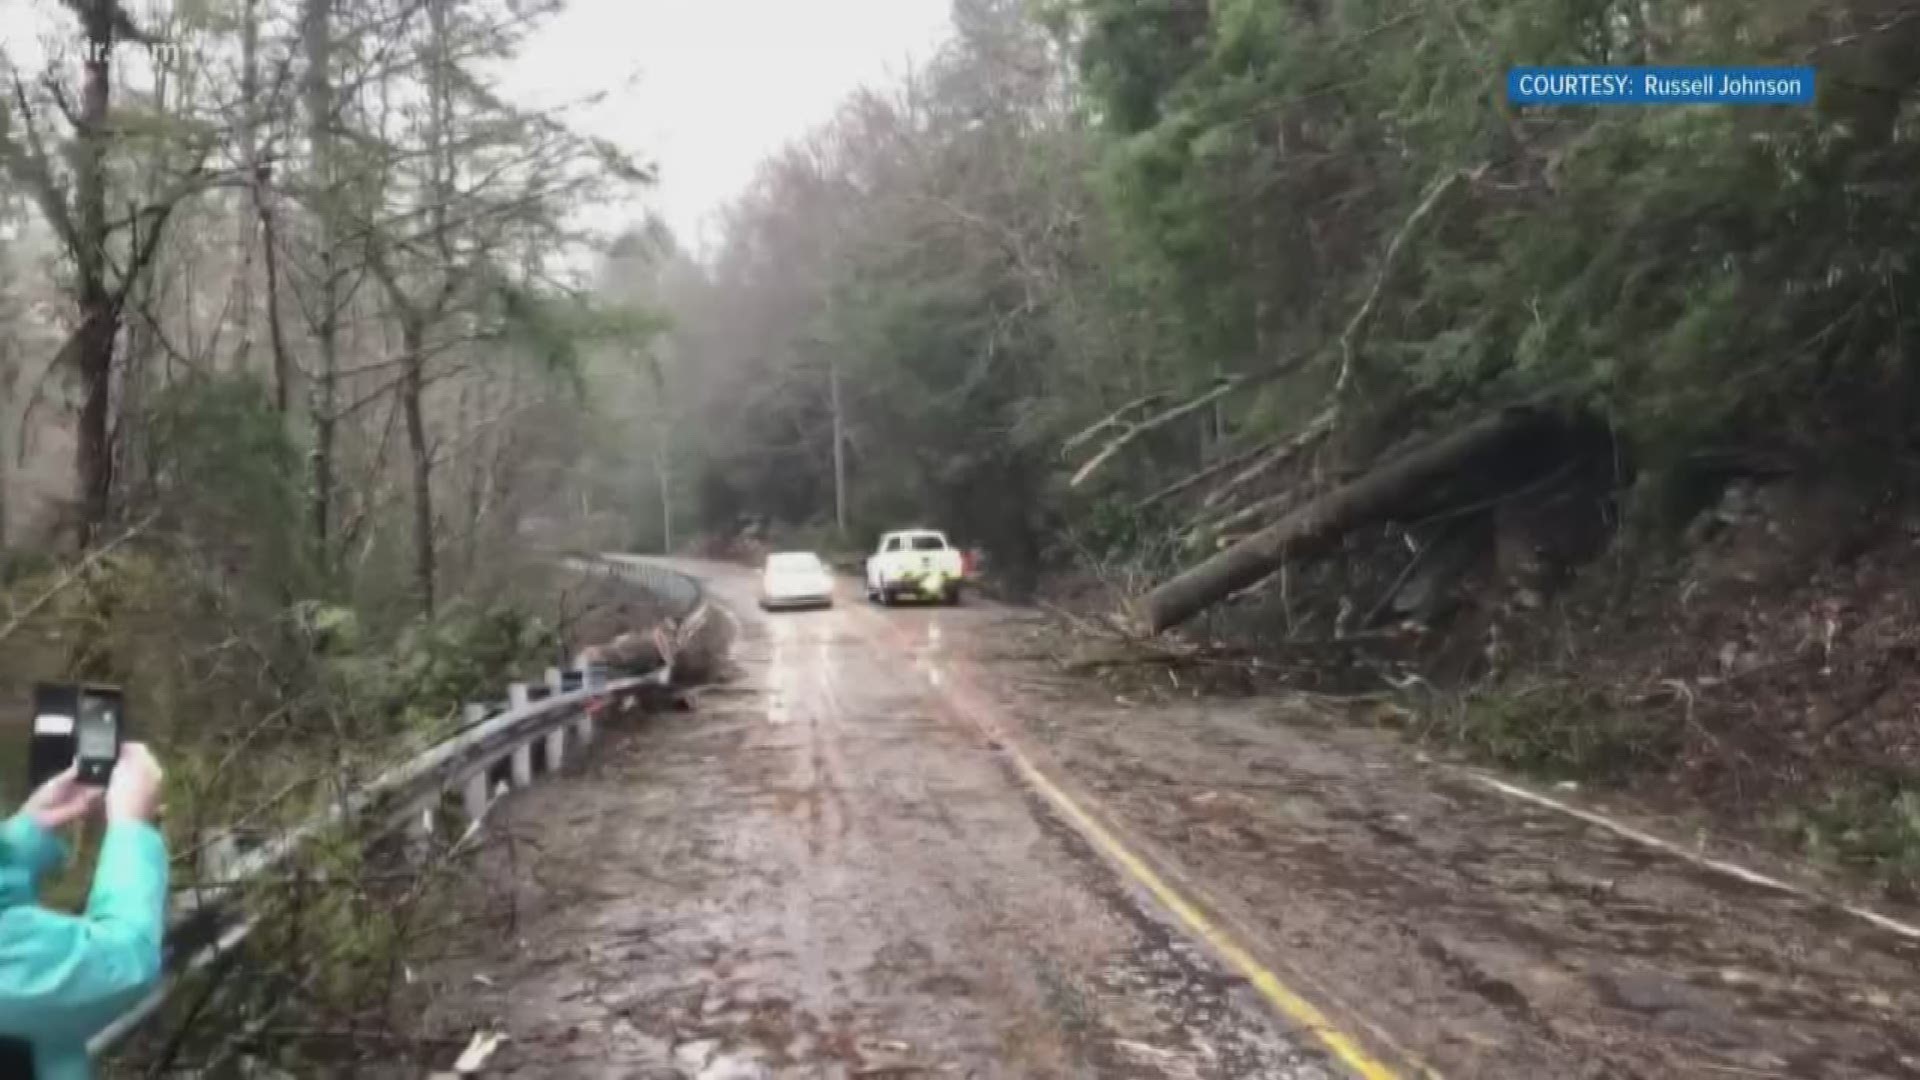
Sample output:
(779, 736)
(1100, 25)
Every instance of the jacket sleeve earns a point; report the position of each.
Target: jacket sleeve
(64, 977)
(27, 852)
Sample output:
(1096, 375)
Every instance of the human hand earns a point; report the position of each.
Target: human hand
(134, 792)
(60, 800)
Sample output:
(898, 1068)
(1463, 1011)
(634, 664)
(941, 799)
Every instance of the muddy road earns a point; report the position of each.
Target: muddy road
(895, 845)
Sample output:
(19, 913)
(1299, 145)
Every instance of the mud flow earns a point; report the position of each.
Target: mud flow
(833, 867)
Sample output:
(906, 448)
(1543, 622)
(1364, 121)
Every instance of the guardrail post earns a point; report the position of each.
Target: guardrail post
(473, 712)
(517, 695)
(555, 682)
(523, 765)
(556, 749)
(473, 797)
(419, 828)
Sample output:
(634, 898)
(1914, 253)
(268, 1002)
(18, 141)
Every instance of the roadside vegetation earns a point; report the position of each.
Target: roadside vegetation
(309, 372)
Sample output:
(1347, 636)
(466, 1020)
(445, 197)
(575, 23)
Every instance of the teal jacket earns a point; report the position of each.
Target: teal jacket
(64, 977)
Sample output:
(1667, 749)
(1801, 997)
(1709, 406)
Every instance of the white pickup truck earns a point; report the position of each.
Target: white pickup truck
(915, 562)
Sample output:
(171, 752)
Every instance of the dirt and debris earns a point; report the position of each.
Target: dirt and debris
(820, 874)
(1752, 676)
(831, 870)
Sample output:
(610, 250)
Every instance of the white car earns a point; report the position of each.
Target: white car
(795, 579)
(915, 562)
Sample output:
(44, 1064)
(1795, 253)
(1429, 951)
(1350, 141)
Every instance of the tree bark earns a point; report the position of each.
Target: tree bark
(258, 223)
(316, 29)
(247, 223)
(472, 404)
(91, 348)
(1315, 527)
(93, 341)
(412, 388)
(839, 449)
(276, 329)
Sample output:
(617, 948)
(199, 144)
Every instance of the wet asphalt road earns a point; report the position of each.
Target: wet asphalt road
(836, 867)
(823, 872)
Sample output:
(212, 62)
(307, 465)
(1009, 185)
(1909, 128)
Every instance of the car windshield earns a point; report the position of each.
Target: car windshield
(929, 543)
(793, 562)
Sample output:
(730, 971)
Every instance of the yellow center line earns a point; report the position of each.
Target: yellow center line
(1299, 1010)
(1291, 1005)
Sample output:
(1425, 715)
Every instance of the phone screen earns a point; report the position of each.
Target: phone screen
(98, 731)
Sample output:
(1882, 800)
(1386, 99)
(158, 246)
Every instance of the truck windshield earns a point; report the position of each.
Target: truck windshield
(929, 543)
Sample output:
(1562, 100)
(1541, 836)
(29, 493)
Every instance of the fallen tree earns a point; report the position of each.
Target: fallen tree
(1403, 486)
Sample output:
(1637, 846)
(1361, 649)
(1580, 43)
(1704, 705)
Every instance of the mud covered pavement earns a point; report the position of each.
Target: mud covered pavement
(891, 846)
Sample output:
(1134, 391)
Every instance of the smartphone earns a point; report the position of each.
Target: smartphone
(51, 751)
(97, 733)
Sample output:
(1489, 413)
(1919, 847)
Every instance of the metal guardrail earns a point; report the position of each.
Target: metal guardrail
(681, 593)
(543, 724)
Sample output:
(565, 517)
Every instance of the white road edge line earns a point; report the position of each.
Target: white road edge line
(1753, 877)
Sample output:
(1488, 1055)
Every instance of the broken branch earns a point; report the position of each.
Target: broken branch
(1116, 418)
(1316, 428)
(67, 579)
(1387, 263)
(1192, 480)
(1221, 388)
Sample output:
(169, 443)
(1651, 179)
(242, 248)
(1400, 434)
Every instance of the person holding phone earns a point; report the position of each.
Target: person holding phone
(64, 977)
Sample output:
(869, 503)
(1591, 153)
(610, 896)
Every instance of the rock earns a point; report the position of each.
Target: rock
(692, 1057)
(735, 1067)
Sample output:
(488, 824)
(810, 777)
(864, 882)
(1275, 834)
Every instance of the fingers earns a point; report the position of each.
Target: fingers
(53, 809)
(83, 801)
(134, 791)
(55, 787)
(137, 755)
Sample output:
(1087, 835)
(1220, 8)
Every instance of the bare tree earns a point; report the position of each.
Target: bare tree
(108, 254)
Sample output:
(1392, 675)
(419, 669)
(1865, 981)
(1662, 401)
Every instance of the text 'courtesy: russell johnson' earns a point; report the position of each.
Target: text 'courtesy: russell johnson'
(1660, 86)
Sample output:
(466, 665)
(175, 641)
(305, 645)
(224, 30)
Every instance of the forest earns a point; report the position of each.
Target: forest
(1235, 327)
(299, 318)
(1271, 327)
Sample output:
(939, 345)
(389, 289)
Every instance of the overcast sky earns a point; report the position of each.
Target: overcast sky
(704, 89)
(708, 88)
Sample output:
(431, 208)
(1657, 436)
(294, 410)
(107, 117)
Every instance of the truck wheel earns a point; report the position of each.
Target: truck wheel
(886, 596)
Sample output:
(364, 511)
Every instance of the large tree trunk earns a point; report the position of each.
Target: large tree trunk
(472, 405)
(92, 342)
(247, 218)
(839, 450)
(316, 30)
(258, 220)
(92, 355)
(412, 388)
(1379, 495)
(276, 328)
